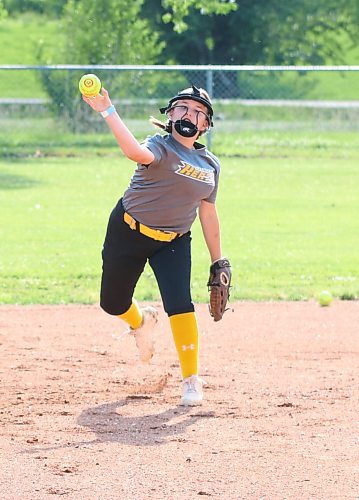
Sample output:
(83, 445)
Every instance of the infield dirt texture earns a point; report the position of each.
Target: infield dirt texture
(81, 418)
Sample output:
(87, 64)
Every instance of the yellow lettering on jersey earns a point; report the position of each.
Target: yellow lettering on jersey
(186, 170)
(197, 173)
(201, 176)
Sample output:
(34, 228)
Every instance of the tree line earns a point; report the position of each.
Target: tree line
(200, 31)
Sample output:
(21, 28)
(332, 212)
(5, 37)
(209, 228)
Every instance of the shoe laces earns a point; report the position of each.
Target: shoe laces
(191, 384)
(122, 335)
(132, 331)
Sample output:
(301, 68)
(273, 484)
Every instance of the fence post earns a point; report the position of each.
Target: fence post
(209, 85)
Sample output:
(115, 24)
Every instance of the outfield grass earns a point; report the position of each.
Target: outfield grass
(239, 131)
(288, 203)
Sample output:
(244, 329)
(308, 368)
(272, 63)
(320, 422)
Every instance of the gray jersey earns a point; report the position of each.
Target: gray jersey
(167, 193)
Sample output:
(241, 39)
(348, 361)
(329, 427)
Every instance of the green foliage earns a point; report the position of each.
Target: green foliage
(26, 31)
(101, 32)
(29, 30)
(212, 31)
(178, 10)
(309, 32)
(260, 32)
(48, 7)
(108, 32)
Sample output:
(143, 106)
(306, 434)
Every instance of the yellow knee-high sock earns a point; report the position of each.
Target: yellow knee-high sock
(133, 315)
(185, 334)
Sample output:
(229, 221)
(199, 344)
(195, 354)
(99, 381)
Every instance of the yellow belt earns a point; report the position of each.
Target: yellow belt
(155, 234)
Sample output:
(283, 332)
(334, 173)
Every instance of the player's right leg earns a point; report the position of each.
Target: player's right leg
(124, 256)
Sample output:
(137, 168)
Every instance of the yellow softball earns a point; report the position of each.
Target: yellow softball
(90, 85)
(325, 298)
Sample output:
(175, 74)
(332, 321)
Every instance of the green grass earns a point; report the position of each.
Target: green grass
(288, 203)
(339, 85)
(331, 85)
(21, 37)
(335, 85)
(239, 131)
(322, 85)
(288, 200)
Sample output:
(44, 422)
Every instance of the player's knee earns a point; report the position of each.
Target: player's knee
(109, 308)
(115, 309)
(171, 311)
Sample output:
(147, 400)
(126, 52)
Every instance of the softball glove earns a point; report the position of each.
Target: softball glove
(219, 284)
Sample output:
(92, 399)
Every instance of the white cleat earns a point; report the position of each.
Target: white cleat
(192, 394)
(144, 334)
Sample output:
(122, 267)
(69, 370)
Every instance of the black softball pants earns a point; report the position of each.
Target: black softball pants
(124, 256)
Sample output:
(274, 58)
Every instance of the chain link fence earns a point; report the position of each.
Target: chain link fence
(250, 95)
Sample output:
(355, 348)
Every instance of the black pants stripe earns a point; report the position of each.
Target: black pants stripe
(124, 255)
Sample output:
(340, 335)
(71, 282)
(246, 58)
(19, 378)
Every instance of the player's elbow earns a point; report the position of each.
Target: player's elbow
(139, 155)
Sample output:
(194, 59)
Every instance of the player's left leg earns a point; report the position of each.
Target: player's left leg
(172, 268)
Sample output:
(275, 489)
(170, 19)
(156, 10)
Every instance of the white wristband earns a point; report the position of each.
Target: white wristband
(108, 111)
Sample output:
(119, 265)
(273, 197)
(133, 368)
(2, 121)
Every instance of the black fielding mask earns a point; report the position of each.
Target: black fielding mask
(185, 128)
(194, 95)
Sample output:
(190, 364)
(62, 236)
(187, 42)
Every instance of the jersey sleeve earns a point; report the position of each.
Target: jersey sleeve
(155, 144)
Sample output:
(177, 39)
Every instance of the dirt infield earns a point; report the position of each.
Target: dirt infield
(81, 418)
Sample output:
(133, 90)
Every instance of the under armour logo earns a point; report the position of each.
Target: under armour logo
(186, 347)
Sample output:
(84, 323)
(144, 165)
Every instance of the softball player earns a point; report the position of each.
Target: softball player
(175, 177)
